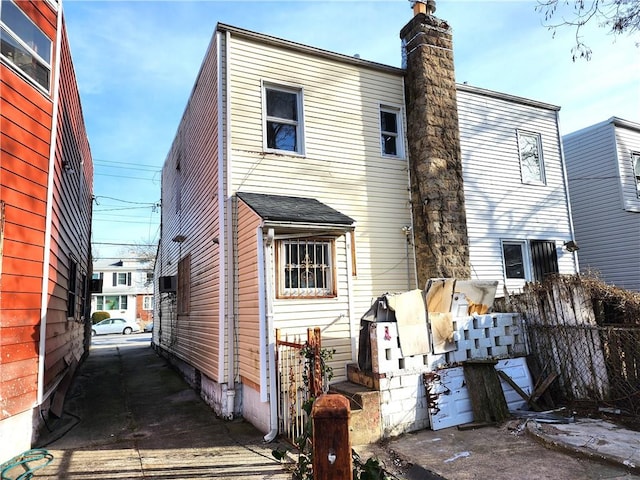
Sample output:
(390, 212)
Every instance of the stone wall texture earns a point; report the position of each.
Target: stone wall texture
(440, 228)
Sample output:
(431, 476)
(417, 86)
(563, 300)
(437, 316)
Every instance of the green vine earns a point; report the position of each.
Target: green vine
(303, 469)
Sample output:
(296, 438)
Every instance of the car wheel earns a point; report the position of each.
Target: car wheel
(93, 333)
(127, 331)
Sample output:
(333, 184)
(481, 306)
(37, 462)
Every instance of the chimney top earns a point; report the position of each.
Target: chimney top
(428, 7)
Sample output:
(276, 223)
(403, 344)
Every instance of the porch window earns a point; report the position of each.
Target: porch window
(531, 164)
(24, 45)
(305, 268)
(283, 119)
(390, 131)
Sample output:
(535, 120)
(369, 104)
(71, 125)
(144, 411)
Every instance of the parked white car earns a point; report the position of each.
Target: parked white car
(115, 325)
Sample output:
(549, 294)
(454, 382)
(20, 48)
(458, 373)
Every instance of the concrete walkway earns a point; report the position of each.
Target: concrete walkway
(130, 416)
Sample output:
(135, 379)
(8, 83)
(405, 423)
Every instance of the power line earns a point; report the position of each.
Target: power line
(126, 244)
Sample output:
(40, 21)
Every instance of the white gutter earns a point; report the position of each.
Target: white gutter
(352, 326)
(566, 190)
(221, 217)
(230, 249)
(262, 316)
(44, 300)
(271, 339)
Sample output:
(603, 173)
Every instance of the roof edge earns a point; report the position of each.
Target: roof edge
(506, 96)
(300, 47)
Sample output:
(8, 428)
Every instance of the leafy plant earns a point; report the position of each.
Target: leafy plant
(99, 316)
(303, 470)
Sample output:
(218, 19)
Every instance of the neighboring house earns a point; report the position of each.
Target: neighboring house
(286, 205)
(125, 289)
(46, 183)
(603, 166)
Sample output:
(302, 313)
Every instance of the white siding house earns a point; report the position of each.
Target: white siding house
(603, 164)
(516, 197)
(125, 289)
(286, 205)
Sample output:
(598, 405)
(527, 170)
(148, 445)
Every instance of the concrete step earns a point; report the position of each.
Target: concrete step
(365, 421)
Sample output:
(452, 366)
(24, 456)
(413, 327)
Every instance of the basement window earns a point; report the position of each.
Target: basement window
(24, 45)
(305, 268)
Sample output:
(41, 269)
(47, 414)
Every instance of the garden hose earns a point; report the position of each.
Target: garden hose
(39, 457)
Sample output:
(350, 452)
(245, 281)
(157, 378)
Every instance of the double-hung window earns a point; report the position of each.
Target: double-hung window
(147, 302)
(635, 160)
(390, 131)
(283, 119)
(306, 268)
(514, 258)
(531, 162)
(121, 278)
(24, 45)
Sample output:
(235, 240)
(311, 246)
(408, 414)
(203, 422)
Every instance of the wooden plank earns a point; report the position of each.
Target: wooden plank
(487, 398)
(520, 392)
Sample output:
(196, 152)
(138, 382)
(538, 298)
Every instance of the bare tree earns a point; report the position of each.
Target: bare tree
(617, 16)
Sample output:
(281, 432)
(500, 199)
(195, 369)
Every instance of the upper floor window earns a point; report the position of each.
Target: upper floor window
(283, 119)
(121, 278)
(24, 45)
(531, 163)
(305, 268)
(635, 160)
(390, 131)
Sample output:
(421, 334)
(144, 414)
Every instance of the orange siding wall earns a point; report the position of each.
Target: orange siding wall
(25, 126)
(190, 209)
(248, 305)
(70, 242)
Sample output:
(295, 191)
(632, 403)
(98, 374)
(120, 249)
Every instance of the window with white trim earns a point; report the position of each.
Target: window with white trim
(531, 162)
(147, 302)
(390, 132)
(306, 268)
(635, 161)
(111, 302)
(283, 119)
(513, 256)
(24, 45)
(121, 278)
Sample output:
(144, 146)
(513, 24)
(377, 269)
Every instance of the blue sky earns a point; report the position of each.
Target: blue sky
(136, 63)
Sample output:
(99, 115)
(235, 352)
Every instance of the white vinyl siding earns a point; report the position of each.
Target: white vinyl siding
(194, 337)
(499, 206)
(606, 209)
(342, 167)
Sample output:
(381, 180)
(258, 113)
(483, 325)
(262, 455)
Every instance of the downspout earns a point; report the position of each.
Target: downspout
(262, 315)
(221, 215)
(44, 299)
(273, 392)
(566, 189)
(232, 263)
(354, 339)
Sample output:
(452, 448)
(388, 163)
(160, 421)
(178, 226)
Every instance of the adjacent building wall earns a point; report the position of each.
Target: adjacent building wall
(45, 193)
(499, 205)
(604, 200)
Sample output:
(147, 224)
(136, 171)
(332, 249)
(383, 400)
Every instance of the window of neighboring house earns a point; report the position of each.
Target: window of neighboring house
(111, 302)
(531, 163)
(513, 256)
(635, 160)
(121, 278)
(24, 45)
(390, 131)
(305, 268)
(283, 119)
(72, 288)
(544, 258)
(184, 285)
(149, 278)
(147, 302)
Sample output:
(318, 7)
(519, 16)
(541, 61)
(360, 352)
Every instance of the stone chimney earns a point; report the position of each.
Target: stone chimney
(440, 226)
